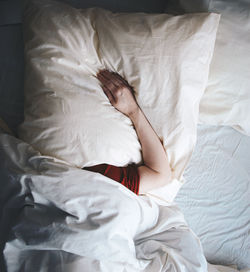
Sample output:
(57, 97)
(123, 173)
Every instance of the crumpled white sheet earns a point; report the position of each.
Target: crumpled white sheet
(75, 220)
(218, 186)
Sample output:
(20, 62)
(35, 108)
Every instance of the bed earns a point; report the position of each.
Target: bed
(43, 228)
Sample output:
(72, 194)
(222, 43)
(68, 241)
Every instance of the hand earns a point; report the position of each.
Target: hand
(118, 91)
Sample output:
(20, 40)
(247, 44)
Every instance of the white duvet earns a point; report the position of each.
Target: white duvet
(75, 220)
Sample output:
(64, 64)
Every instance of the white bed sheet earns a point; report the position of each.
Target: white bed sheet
(215, 199)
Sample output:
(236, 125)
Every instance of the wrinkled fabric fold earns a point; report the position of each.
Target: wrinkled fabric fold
(71, 219)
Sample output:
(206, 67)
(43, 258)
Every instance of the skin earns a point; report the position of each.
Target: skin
(155, 171)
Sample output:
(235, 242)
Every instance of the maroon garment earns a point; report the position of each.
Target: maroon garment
(128, 175)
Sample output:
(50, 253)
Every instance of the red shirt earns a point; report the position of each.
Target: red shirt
(128, 175)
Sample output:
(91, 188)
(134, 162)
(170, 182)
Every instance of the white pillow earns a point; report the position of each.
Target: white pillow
(227, 97)
(68, 116)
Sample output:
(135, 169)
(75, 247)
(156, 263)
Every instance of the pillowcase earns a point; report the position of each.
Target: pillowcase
(226, 100)
(68, 116)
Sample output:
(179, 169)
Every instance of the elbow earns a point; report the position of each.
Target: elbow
(151, 179)
(165, 177)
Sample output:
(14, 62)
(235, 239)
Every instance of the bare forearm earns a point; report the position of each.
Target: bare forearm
(153, 153)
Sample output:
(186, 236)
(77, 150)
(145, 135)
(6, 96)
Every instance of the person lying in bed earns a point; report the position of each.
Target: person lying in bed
(155, 171)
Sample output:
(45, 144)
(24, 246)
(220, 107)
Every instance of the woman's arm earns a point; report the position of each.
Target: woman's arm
(156, 171)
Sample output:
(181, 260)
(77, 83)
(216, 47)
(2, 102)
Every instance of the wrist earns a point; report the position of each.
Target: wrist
(133, 114)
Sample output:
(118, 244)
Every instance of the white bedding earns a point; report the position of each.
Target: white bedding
(216, 196)
(209, 212)
(74, 220)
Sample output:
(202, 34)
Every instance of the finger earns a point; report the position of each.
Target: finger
(111, 76)
(104, 77)
(116, 79)
(101, 77)
(123, 82)
(108, 94)
(120, 79)
(104, 72)
(107, 82)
